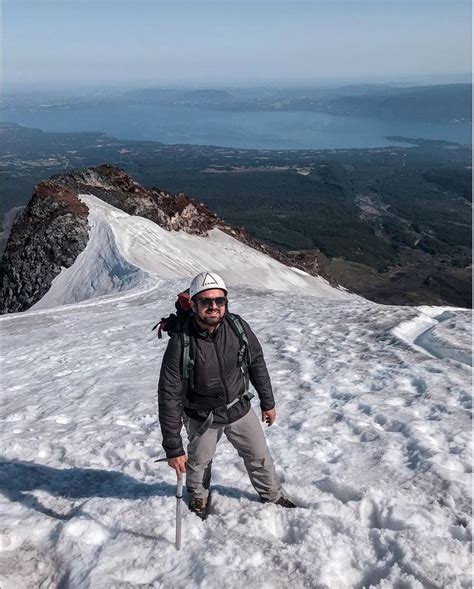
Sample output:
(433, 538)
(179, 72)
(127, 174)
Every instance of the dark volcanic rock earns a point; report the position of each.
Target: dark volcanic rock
(53, 229)
(49, 234)
(114, 186)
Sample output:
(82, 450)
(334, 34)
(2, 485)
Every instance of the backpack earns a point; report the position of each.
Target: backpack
(175, 321)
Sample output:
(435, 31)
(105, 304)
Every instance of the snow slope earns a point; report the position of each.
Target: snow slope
(372, 437)
(125, 251)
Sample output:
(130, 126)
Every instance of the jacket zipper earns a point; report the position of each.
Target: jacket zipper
(221, 372)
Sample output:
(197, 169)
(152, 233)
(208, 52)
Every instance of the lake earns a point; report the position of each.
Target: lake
(253, 130)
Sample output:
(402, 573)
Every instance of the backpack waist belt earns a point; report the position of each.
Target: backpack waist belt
(210, 418)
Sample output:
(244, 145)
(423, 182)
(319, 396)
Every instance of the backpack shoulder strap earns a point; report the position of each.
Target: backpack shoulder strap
(236, 325)
(188, 354)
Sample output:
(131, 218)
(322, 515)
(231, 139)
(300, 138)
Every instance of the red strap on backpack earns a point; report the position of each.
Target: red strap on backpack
(170, 323)
(161, 325)
(184, 300)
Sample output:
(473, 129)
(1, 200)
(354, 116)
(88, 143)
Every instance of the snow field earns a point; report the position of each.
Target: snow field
(372, 439)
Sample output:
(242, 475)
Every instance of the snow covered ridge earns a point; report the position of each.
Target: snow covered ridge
(53, 229)
(372, 439)
(128, 252)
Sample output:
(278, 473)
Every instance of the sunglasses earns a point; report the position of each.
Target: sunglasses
(207, 302)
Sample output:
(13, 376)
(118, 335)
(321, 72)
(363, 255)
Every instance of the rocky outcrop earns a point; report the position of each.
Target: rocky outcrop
(114, 186)
(52, 230)
(49, 234)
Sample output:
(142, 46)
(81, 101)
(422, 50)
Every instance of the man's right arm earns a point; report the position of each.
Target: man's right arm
(171, 392)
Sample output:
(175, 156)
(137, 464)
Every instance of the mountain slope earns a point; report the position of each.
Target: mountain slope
(372, 439)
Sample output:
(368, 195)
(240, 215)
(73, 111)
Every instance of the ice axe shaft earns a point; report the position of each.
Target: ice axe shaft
(179, 506)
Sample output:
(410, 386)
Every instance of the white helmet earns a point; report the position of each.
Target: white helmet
(206, 281)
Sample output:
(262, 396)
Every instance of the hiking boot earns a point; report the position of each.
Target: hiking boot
(285, 502)
(198, 505)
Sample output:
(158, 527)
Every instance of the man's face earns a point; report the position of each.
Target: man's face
(206, 308)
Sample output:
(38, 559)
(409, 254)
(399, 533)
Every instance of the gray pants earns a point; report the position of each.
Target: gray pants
(247, 437)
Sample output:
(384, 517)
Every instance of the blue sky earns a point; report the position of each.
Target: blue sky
(224, 42)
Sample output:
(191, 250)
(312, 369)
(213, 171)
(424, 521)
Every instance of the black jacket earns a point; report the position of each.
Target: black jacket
(218, 380)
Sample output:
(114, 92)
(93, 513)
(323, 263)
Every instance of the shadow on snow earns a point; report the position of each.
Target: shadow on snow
(18, 479)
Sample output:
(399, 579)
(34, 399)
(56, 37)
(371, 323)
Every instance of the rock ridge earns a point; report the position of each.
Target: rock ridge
(53, 229)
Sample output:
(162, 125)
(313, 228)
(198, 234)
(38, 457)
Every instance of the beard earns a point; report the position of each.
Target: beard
(210, 319)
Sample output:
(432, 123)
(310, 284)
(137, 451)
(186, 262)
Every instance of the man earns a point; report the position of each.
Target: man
(214, 398)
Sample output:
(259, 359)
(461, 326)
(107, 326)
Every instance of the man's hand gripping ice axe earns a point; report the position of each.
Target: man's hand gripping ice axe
(179, 465)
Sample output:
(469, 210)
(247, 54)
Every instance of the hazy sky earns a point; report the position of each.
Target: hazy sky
(226, 42)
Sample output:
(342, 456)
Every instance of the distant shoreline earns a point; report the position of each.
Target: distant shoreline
(285, 130)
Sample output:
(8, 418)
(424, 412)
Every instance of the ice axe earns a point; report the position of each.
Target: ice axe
(179, 505)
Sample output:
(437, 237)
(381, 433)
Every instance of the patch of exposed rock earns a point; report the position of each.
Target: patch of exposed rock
(48, 234)
(53, 230)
